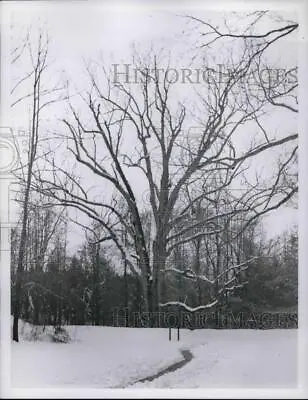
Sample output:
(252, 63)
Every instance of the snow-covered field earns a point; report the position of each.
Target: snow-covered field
(105, 357)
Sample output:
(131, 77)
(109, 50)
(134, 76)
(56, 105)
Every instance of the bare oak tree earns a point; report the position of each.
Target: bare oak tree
(142, 125)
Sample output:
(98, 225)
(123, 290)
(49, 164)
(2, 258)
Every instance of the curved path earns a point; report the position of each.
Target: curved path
(187, 357)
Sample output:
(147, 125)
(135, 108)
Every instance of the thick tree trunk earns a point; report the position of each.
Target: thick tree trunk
(159, 262)
(16, 317)
(198, 268)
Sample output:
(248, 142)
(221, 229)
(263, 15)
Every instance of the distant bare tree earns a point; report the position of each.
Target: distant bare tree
(33, 51)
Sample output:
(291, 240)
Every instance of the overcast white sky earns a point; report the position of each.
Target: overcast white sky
(102, 30)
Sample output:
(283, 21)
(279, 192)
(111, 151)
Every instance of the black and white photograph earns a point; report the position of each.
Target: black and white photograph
(152, 204)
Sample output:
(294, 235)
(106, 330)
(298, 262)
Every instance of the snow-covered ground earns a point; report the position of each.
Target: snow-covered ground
(237, 359)
(105, 357)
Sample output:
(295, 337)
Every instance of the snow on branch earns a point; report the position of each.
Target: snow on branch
(239, 286)
(225, 287)
(191, 309)
(187, 273)
(190, 274)
(243, 266)
(191, 238)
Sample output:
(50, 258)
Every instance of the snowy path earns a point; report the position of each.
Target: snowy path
(237, 358)
(187, 357)
(105, 357)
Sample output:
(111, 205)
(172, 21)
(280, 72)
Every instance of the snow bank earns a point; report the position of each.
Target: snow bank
(29, 332)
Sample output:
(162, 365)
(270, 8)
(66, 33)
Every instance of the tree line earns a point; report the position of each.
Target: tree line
(87, 287)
